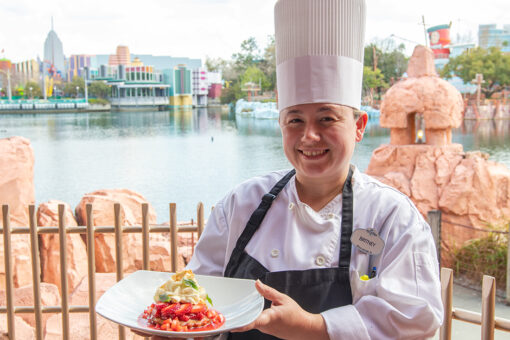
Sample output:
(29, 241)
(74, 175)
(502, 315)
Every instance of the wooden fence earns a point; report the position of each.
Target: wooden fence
(486, 319)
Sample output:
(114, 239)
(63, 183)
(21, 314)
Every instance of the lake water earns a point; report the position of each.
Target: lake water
(182, 156)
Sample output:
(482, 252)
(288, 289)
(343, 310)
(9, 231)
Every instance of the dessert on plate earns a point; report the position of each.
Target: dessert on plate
(181, 305)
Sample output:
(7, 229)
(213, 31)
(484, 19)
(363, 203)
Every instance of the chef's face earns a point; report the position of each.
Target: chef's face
(319, 139)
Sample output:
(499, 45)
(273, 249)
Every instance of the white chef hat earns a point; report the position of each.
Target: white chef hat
(319, 51)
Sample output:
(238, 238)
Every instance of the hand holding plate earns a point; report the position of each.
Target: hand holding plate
(286, 319)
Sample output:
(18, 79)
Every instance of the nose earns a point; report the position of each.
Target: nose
(311, 132)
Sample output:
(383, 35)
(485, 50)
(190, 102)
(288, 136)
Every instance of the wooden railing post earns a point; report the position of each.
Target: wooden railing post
(200, 218)
(508, 268)
(488, 307)
(118, 254)
(445, 332)
(63, 270)
(9, 288)
(36, 271)
(173, 236)
(91, 257)
(434, 219)
(145, 235)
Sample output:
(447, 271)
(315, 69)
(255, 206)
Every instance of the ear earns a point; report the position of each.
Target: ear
(361, 124)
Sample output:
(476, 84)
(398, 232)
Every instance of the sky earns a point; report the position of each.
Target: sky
(214, 28)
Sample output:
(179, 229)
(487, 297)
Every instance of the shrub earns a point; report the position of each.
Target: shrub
(484, 256)
(98, 101)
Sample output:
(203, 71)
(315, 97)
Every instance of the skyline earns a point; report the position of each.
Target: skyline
(214, 28)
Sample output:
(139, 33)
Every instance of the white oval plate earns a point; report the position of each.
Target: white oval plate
(236, 299)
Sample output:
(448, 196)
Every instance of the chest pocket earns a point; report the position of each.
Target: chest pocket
(361, 287)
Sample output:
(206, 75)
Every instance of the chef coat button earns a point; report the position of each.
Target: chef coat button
(291, 205)
(320, 260)
(331, 215)
(275, 253)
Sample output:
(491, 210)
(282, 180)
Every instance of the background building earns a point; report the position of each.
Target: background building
(492, 36)
(134, 86)
(121, 57)
(200, 87)
(439, 37)
(215, 84)
(179, 79)
(54, 52)
(77, 65)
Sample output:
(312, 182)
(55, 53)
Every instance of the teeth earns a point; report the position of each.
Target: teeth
(313, 153)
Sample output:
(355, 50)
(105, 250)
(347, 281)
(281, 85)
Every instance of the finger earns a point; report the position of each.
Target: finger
(244, 328)
(265, 318)
(269, 293)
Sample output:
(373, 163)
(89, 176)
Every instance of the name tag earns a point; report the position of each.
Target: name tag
(367, 241)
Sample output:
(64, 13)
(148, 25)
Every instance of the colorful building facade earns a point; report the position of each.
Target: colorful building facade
(200, 87)
(180, 80)
(134, 86)
(121, 56)
(492, 36)
(439, 37)
(77, 65)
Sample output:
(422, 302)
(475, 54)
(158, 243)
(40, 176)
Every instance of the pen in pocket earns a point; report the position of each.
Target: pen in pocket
(373, 273)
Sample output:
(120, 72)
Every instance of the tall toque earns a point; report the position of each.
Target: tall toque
(319, 51)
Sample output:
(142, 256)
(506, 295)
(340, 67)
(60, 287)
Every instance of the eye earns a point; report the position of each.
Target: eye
(327, 119)
(295, 121)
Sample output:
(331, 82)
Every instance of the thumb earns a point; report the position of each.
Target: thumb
(269, 293)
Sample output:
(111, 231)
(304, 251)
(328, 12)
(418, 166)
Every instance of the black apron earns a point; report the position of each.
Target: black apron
(315, 290)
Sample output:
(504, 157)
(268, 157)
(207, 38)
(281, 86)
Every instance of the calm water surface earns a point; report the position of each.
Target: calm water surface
(182, 156)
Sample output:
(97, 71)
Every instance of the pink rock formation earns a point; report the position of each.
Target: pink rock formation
(446, 178)
(24, 296)
(80, 330)
(23, 330)
(80, 296)
(131, 214)
(17, 190)
(422, 63)
(47, 216)
(467, 187)
(423, 93)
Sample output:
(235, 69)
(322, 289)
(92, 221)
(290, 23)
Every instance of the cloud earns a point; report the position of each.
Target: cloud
(196, 28)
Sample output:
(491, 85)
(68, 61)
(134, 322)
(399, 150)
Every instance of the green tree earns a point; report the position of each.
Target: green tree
(248, 55)
(268, 64)
(372, 80)
(36, 90)
(215, 64)
(387, 57)
(255, 75)
(99, 89)
(232, 93)
(70, 89)
(491, 63)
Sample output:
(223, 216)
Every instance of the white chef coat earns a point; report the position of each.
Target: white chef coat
(402, 302)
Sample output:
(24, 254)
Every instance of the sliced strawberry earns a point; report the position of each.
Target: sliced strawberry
(184, 317)
(169, 310)
(211, 313)
(185, 308)
(156, 311)
(198, 308)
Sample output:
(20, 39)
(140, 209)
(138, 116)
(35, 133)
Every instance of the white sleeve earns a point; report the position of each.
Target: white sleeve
(403, 301)
(210, 251)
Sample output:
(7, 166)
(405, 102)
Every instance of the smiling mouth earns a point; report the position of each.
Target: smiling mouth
(313, 153)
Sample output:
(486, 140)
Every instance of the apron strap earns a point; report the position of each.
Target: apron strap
(255, 220)
(347, 215)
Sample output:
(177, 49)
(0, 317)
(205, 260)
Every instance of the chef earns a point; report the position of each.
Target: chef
(338, 255)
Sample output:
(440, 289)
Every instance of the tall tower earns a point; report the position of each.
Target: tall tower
(53, 50)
